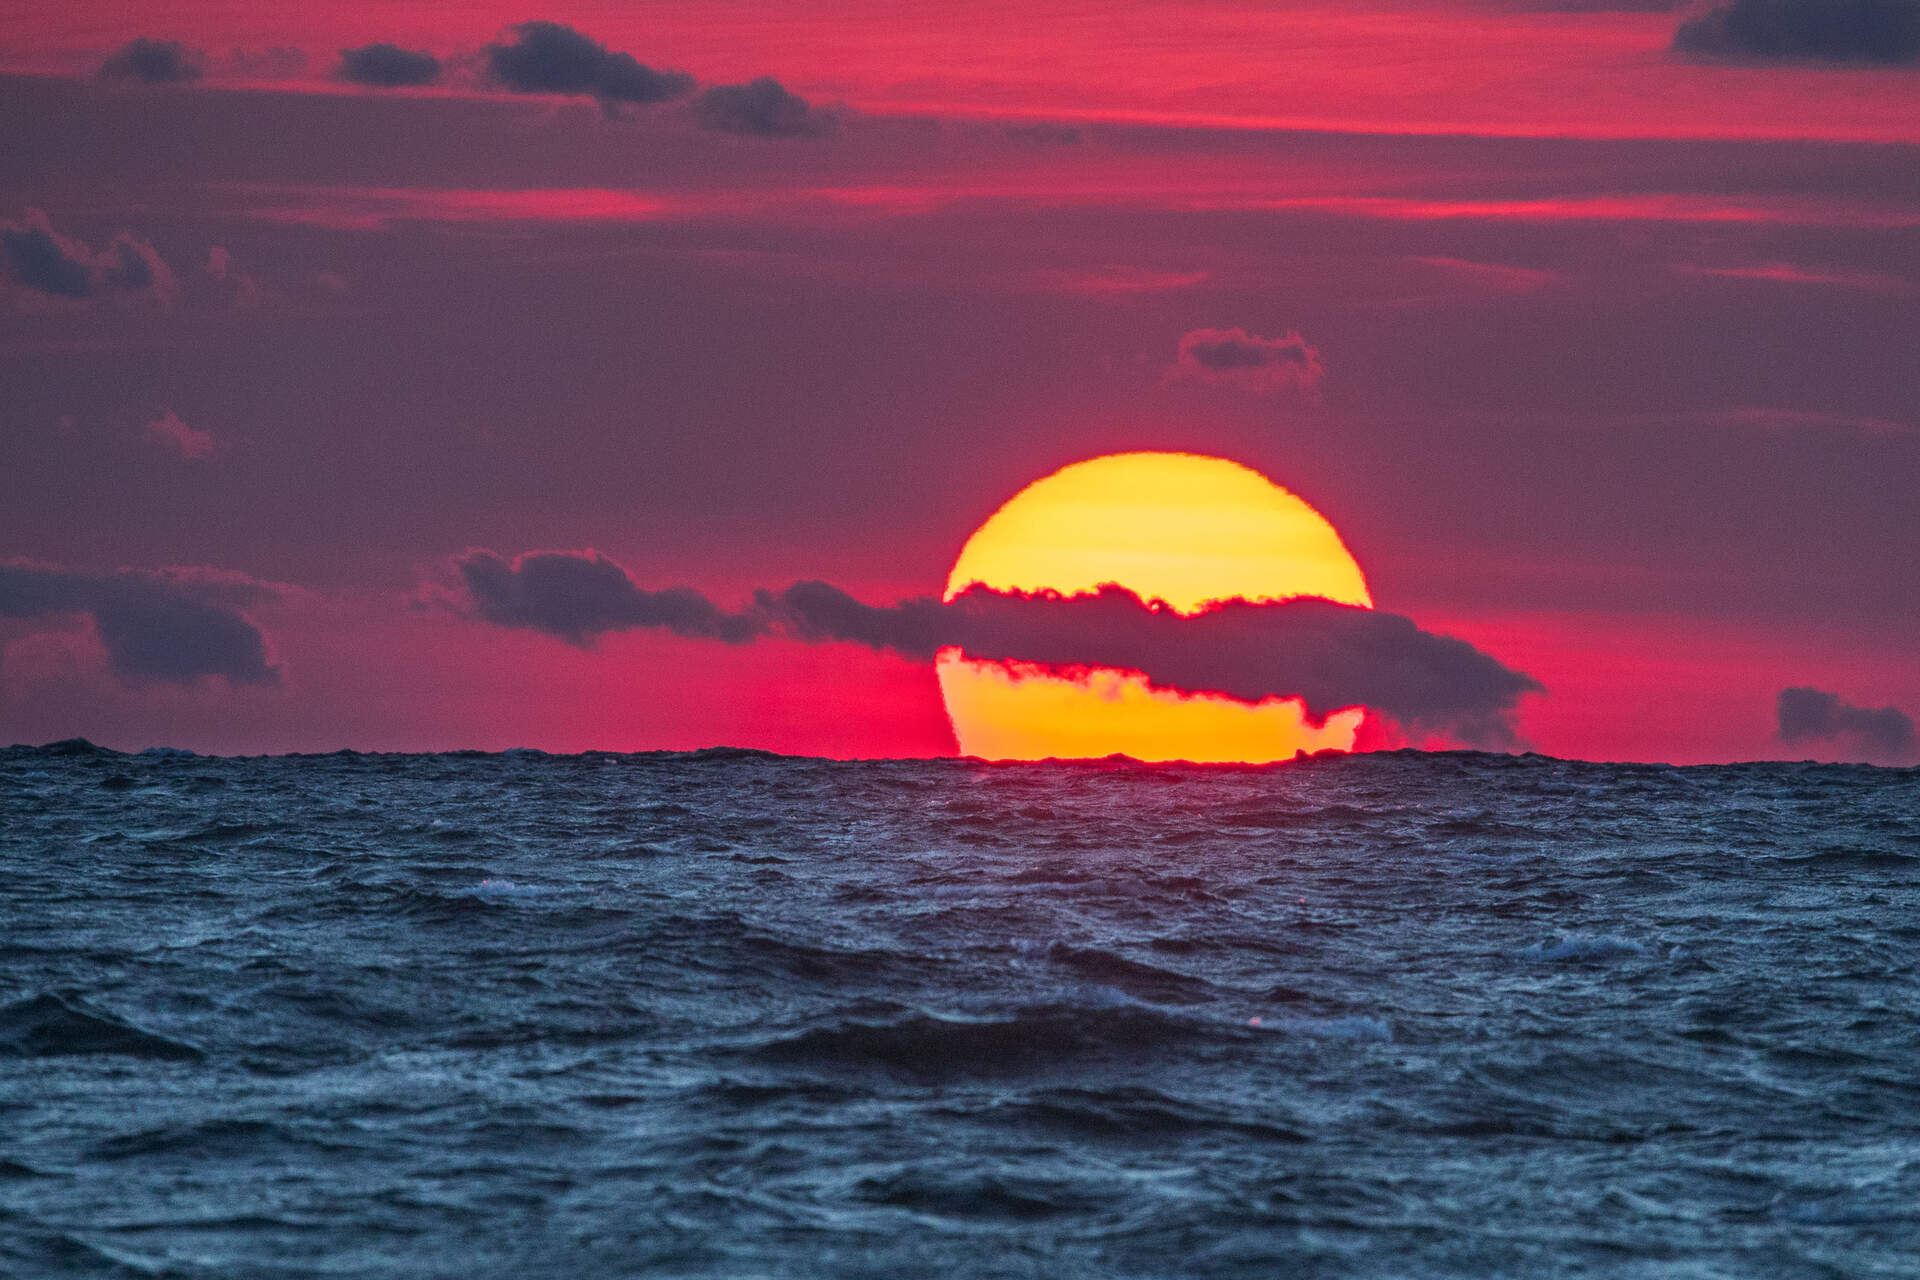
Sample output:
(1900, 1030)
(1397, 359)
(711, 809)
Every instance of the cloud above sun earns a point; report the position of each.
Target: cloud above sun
(1236, 358)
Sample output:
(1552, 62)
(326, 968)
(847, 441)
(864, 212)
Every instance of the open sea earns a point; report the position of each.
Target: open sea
(727, 1014)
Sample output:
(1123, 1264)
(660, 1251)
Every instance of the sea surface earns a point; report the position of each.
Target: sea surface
(727, 1014)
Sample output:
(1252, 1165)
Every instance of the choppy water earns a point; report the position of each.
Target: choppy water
(733, 1015)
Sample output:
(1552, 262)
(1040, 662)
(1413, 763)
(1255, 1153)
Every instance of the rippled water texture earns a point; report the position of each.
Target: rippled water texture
(732, 1015)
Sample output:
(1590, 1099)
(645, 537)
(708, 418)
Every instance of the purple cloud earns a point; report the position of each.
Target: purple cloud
(1236, 358)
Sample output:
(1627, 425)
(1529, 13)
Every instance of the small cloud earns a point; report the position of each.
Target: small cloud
(1236, 358)
(1789, 273)
(42, 259)
(145, 61)
(760, 108)
(1809, 715)
(1886, 32)
(577, 595)
(1490, 277)
(331, 283)
(169, 626)
(387, 66)
(171, 433)
(246, 290)
(131, 265)
(549, 57)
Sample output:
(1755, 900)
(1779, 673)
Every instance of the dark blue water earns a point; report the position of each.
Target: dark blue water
(733, 1015)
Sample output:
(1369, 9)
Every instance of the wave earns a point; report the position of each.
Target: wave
(233, 1138)
(932, 1045)
(1585, 948)
(1132, 1113)
(52, 1025)
(1141, 981)
(949, 1195)
(527, 1009)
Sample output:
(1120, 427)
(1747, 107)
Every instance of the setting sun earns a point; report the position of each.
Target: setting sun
(1176, 527)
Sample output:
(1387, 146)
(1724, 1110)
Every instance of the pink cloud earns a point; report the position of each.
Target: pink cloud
(1789, 274)
(171, 433)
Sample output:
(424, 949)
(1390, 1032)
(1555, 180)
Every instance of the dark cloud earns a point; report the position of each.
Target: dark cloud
(576, 596)
(548, 57)
(387, 66)
(41, 258)
(1873, 31)
(760, 108)
(157, 627)
(1811, 715)
(1234, 357)
(1333, 656)
(155, 62)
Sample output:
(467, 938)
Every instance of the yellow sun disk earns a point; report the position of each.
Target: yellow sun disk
(1177, 527)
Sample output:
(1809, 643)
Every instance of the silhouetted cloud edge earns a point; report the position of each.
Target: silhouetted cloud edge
(1807, 715)
(158, 626)
(1331, 656)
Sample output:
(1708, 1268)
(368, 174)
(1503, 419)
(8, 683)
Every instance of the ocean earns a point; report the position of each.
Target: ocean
(728, 1014)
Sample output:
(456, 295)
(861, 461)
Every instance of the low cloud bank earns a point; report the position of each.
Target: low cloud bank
(760, 108)
(1812, 716)
(1333, 656)
(145, 61)
(535, 57)
(158, 627)
(1870, 31)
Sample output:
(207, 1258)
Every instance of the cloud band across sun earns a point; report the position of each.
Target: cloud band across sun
(1331, 656)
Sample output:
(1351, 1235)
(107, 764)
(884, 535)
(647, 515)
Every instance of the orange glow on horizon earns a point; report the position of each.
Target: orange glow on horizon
(1176, 527)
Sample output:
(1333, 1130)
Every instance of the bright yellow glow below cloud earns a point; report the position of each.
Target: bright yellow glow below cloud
(1178, 527)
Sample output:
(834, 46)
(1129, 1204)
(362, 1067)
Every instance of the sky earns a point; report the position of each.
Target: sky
(1599, 328)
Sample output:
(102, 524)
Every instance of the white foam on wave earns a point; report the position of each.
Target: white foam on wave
(1585, 947)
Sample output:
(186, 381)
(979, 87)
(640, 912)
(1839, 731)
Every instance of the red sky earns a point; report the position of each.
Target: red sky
(1620, 383)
